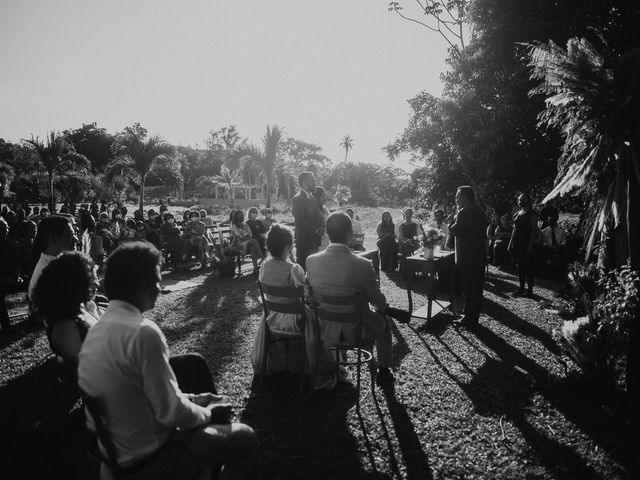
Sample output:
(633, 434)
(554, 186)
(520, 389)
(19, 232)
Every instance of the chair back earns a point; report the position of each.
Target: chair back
(345, 309)
(92, 406)
(293, 299)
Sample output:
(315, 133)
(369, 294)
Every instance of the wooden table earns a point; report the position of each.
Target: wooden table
(419, 264)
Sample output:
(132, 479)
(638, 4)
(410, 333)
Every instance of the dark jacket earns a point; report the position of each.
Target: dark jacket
(306, 213)
(470, 231)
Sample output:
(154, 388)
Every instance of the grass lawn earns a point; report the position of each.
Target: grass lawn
(459, 408)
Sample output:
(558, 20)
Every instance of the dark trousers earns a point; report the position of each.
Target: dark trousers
(472, 284)
(303, 250)
(525, 271)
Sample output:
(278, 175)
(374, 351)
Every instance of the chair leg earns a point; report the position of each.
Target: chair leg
(265, 353)
(358, 366)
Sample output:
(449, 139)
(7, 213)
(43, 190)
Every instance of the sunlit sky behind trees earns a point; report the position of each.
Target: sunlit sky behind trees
(321, 70)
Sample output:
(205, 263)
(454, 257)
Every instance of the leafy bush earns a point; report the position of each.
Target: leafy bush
(608, 307)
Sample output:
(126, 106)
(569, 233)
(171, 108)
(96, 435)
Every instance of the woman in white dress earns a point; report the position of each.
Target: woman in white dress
(279, 271)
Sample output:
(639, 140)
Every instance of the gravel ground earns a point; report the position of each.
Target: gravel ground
(459, 408)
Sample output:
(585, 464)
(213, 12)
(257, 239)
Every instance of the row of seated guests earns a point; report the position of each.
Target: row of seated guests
(334, 271)
(162, 412)
(405, 237)
(55, 234)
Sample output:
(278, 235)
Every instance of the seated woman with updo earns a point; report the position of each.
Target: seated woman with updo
(64, 298)
(279, 271)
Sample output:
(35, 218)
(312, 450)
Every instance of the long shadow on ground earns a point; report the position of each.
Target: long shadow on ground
(305, 437)
(499, 389)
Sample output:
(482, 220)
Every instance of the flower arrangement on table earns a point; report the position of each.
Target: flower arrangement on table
(432, 238)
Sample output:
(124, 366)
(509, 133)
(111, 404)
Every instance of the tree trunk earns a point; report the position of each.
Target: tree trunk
(142, 180)
(52, 200)
(268, 203)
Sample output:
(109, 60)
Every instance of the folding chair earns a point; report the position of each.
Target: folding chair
(344, 310)
(290, 300)
(109, 468)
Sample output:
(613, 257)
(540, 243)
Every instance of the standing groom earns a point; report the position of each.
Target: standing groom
(469, 228)
(307, 216)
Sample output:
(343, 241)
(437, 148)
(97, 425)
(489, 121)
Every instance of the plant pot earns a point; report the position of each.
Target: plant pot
(227, 269)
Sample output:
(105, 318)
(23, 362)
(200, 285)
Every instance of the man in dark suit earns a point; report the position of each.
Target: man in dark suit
(469, 229)
(308, 221)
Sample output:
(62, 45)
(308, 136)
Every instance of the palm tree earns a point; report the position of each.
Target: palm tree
(595, 102)
(59, 158)
(137, 158)
(270, 166)
(7, 175)
(347, 144)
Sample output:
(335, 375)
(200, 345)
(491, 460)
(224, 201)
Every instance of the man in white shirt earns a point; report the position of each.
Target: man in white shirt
(358, 236)
(60, 236)
(124, 365)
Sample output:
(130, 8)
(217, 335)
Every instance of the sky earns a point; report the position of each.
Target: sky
(320, 69)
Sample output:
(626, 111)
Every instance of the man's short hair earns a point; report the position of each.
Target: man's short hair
(302, 176)
(338, 227)
(468, 193)
(130, 267)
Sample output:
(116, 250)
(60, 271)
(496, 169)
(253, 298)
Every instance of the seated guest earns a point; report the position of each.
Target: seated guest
(502, 235)
(358, 236)
(55, 235)
(172, 238)
(278, 270)
(124, 365)
(338, 271)
(491, 237)
(10, 280)
(258, 232)
(439, 224)
(195, 234)
(242, 240)
(387, 243)
(321, 197)
(64, 299)
(408, 232)
(268, 219)
(152, 229)
(554, 243)
(205, 218)
(103, 229)
(117, 223)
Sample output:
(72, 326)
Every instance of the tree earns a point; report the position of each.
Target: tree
(447, 18)
(224, 139)
(267, 160)
(137, 158)
(303, 155)
(92, 142)
(347, 144)
(594, 100)
(7, 175)
(59, 158)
